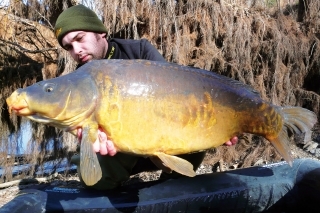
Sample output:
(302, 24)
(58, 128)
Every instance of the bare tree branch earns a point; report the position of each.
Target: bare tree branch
(22, 49)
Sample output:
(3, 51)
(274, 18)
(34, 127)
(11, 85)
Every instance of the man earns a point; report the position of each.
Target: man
(83, 35)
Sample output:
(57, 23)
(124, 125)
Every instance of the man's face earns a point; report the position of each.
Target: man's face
(85, 46)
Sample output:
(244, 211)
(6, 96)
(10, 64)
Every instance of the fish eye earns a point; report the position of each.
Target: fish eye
(49, 87)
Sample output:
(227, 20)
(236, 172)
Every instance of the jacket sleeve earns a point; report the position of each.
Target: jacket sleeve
(149, 52)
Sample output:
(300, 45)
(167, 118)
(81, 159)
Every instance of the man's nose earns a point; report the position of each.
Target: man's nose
(77, 49)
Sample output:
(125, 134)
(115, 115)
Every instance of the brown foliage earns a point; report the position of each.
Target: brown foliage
(28, 53)
(273, 48)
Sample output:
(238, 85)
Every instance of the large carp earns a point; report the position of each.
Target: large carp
(155, 109)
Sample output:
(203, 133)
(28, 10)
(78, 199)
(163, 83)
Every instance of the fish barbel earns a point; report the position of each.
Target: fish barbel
(155, 109)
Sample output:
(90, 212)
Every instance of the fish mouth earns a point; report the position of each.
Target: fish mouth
(19, 107)
(17, 104)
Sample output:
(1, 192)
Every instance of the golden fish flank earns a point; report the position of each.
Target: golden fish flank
(193, 112)
(156, 109)
(111, 104)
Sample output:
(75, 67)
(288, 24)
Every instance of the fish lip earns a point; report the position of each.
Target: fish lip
(20, 110)
(18, 106)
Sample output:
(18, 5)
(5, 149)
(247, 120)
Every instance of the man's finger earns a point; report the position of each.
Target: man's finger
(234, 140)
(103, 147)
(111, 149)
(96, 146)
(79, 134)
(228, 143)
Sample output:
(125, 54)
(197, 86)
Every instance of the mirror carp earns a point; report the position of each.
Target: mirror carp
(157, 110)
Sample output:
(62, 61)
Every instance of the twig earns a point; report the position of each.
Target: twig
(22, 49)
(46, 20)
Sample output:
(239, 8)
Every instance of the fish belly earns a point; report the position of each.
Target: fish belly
(173, 125)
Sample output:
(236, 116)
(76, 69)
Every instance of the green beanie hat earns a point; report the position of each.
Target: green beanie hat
(77, 18)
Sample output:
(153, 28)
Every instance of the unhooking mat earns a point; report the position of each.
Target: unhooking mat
(271, 188)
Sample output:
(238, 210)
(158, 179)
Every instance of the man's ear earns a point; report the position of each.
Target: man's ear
(104, 35)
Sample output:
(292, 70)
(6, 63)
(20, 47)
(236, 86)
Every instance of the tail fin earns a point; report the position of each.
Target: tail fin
(298, 120)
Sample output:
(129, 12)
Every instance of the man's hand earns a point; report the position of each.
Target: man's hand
(102, 144)
(232, 141)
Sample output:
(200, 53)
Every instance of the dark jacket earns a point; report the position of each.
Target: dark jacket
(132, 49)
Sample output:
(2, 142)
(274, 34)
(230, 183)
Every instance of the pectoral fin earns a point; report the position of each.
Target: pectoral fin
(156, 160)
(89, 165)
(177, 164)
